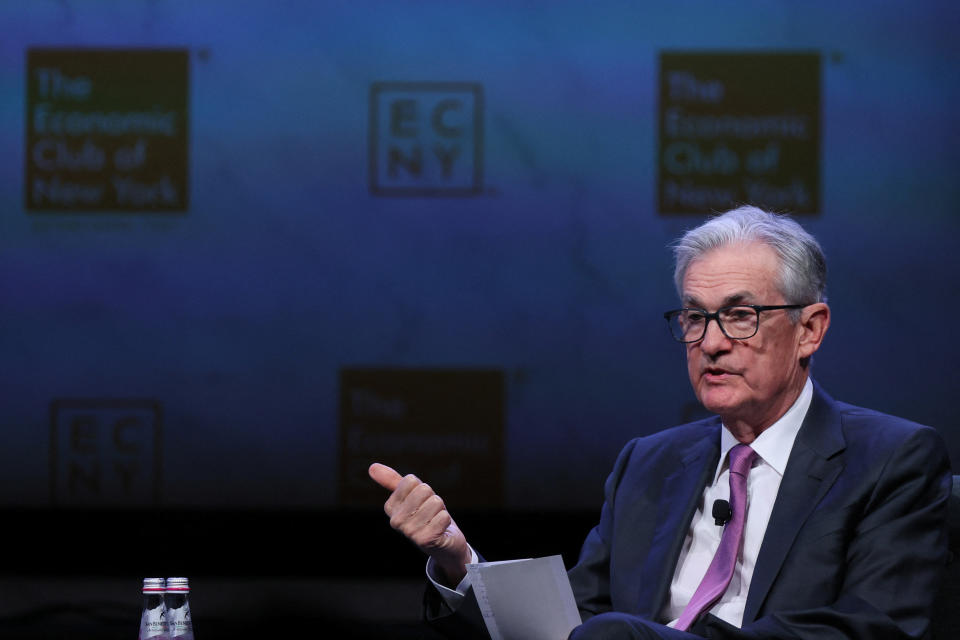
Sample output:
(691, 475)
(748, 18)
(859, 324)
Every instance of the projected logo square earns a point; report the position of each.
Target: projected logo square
(739, 128)
(105, 452)
(445, 425)
(426, 139)
(106, 130)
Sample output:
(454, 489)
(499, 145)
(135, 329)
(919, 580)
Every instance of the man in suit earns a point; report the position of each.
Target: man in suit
(789, 515)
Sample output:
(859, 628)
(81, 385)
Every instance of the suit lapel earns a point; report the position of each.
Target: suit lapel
(683, 487)
(811, 470)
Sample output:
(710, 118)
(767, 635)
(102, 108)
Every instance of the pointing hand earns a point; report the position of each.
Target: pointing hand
(420, 515)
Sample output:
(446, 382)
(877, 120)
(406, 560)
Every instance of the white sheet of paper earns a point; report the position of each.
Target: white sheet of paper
(527, 599)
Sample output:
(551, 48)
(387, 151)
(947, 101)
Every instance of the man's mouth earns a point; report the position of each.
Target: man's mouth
(713, 374)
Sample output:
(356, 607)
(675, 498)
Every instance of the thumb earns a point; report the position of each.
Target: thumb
(384, 476)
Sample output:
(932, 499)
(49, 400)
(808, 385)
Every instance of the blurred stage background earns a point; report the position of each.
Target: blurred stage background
(246, 248)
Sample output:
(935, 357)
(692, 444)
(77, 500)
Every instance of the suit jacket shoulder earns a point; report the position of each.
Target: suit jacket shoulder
(856, 539)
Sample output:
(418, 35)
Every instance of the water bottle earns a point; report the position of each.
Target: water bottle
(178, 609)
(153, 620)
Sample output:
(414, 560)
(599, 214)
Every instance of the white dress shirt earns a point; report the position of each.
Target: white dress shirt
(773, 447)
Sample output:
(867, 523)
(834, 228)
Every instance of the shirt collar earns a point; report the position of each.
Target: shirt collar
(774, 444)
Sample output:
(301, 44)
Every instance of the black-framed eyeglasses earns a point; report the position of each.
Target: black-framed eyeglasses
(737, 322)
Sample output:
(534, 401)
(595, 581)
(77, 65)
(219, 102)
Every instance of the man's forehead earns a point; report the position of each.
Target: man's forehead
(732, 275)
(740, 297)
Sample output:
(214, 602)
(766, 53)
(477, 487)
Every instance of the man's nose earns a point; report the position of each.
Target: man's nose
(714, 339)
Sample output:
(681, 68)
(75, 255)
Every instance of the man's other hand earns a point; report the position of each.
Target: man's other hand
(419, 514)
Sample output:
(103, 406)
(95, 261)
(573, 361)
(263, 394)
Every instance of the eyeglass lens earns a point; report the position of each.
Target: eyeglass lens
(689, 325)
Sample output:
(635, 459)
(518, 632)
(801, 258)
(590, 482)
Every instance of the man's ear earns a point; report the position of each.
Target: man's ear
(814, 322)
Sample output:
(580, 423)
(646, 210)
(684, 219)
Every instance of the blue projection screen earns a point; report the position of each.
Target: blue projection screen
(245, 246)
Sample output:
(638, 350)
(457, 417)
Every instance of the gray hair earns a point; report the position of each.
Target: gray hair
(802, 277)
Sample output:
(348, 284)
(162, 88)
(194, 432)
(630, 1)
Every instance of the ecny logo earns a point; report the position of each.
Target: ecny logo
(105, 452)
(426, 138)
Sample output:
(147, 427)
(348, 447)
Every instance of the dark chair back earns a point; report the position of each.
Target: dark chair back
(946, 615)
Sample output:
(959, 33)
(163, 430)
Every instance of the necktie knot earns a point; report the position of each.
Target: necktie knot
(741, 459)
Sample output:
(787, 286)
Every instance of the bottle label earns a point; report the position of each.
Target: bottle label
(153, 624)
(181, 626)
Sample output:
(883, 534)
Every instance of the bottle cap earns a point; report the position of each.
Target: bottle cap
(153, 585)
(178, 585)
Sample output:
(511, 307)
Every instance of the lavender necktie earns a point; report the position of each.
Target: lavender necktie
(720, 571)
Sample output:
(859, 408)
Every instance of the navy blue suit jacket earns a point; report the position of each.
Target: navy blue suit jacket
(855, 546)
